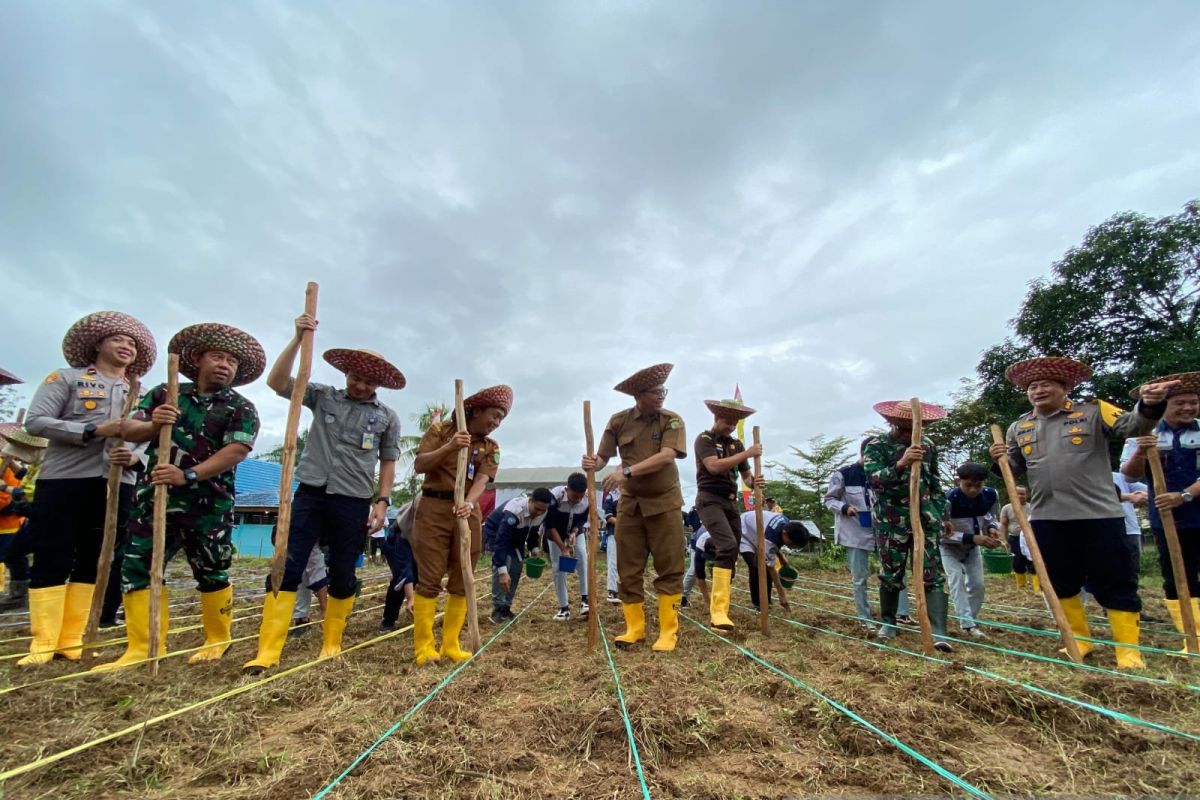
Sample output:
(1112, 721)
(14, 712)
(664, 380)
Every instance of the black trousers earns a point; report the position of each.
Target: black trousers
(68, 522)
(1021, 564)
(333, 519)
(724, 525)
(15, 550)
(751, 560)
(1189, 543)
(1092, 552)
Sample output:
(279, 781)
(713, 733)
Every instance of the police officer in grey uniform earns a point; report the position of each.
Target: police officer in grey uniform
(1073, 508)
(78, 410)
(338, 502)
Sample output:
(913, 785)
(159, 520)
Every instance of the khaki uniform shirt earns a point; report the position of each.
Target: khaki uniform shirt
(485, 457)
(636, 438)
(66, 401)
(348, 438)
(709, 444)
(1066, 456)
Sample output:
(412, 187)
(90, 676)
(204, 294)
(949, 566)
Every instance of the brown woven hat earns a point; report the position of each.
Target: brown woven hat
(196, 340)
(8, 379)
(79, 345)
(901, 411)
(367, 364)
(1189, 383)
(13, 432)
(645, 379)
(500, 396)
(1067, 371)
(730, 409)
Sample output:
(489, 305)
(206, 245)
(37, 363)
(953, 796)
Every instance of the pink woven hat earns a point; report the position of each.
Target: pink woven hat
(901, 411)
(645, 379)
(196, 340)
(367, 364)
(1067, 371)
(500, 396)
(79, 345)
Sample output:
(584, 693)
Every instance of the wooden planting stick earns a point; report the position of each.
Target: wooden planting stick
(158, 554)
(287, 463)
(1035, 552)
(760, 541)
(109, 544)
(918, 532)
(1176, 552)
(593, 628)
(464, 530)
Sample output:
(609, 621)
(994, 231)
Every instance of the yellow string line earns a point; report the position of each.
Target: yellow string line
(62, 754)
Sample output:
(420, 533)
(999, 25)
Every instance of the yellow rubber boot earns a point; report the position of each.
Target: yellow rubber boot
(75, 613)
(1073, 608)
(45, 620)
(137, 630)
(336, 611)
(272, 633)
(635, 625)
(718, 604)
(668, 622)
(1125, 630)
(1037, 585)
(424, 610)
(453, 617)
(1019, 577)
(216, 613)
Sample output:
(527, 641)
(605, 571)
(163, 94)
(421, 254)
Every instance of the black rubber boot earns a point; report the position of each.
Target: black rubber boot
(936, 602)
(889, 601)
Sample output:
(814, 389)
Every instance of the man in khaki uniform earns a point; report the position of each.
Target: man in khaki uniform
(649, 439)
(1073, 508)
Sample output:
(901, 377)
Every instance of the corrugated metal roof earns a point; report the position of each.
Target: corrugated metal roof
(533, 477)
(256, 483)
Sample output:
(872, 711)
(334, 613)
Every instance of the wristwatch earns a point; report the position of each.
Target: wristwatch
(89, 431)
(627, 472)
(191, 477)
(387, 500)
(1187, 496)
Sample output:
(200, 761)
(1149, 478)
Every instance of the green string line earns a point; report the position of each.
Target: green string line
(1016, 610)
(1104, 710)
(887, 737)
(633, 748)
(1054, 634)
(420, 703)
(1133, 676)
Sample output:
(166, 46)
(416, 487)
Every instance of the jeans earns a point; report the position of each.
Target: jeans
(689, 578)
(612, 563)
(860, 574)
(336, 520)
(965, 579)
(500, 598)
(560, 578)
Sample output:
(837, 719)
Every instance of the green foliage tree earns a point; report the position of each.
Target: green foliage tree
(1126, 301)
(276, 455)
(8, 402)
(801, 488)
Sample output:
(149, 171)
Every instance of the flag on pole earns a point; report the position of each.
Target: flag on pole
(747, 495)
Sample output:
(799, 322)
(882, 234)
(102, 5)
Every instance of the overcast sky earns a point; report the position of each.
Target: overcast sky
(829, 203)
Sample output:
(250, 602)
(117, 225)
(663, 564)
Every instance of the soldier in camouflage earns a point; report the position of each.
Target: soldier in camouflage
(887, 460)
(214, 429)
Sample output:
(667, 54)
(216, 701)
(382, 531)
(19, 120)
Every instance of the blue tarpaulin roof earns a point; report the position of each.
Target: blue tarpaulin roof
(257, 483)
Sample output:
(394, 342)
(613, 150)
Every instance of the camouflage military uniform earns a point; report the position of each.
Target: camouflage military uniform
(200, 517)
(893, 531)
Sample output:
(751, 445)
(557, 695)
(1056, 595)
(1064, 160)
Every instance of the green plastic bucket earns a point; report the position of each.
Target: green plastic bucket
(534, 567)
(997, 562)
(787, 577)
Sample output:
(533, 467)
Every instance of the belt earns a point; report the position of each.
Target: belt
(436, 495)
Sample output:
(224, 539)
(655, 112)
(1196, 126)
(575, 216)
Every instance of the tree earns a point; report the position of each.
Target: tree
(963, 435)
(276, 455)
(802, 487)
(8, 402)
(408, 444)
(1126, 301)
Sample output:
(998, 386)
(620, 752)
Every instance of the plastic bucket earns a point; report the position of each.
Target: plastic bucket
(997, 562)
(787, 577)
(534, 567)
(567, 564)
(864, 519)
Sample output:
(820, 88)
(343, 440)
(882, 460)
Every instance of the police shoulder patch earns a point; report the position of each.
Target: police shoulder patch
(52, 377)
(1109, 413)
